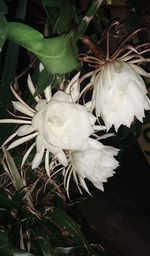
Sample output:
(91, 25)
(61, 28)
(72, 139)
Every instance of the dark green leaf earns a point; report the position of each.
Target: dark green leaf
(57, 54)
(66, 250)
(67, 224)
(46, 247)
(87, 18)
(8, 203)
(52, 3)
(3, 7)
(44, 80)
(3, 30)
(65, 17)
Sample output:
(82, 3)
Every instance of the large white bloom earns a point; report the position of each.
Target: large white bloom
(96, 164)
(57, 123)
(120, 94)
(63, 125)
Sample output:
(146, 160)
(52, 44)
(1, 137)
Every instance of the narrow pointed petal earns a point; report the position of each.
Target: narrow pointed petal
(14, 121)
(24, 130)
(38, 158)
(47, 167)
(139, 70)
(22, 140)
(32, 88)
(83, 184)
(21, 100)
(9, 139)
(48, 93)
(73, 88)
(41, 104)
(27, 154)
(22, 108)
(39, 143)
(62, 158)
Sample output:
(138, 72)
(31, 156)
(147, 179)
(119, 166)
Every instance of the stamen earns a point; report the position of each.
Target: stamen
(126, 40)
(116, 23)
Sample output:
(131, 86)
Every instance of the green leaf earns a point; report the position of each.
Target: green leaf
(56, 54)
(66, 223)
(46, 247)
(18, 252)
(52, 3)
(87, 18)
(3, 30)
(16, 178)
(3, 7)
(7, 203)
(4, 244)
(44, 80)
(65, 17)
(66, 250)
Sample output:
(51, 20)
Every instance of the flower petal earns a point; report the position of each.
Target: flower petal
(22, 140)
(38, 158)
(24, 130)
(27, 154)
(73, 88)
(22, 108)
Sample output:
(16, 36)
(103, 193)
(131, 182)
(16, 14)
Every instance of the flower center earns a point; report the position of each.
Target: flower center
(56, 121)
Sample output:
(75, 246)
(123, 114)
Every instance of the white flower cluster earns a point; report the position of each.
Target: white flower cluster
(65, 131)
(62, 130)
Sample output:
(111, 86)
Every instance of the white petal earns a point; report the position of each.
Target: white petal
(9, 138)
(73, 88)
(61, 96)
(62, 158)
(24, 130)
(22, 108)
(140, 70)
(48, 93)
(41, 104)
(21, 100)
(83, 184)
(39, 143)
(38, 158)
(22, 140)
(27, 154)
(47, 167)
(14, 121)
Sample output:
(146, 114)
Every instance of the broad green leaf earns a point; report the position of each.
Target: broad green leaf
(68, 224)
(56, 54)
(44, 80)
(3, 7)
(3, 30)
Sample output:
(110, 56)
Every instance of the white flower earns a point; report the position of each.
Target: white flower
(96, 164)
(63, 125)
(57, 123)
(119, 94)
